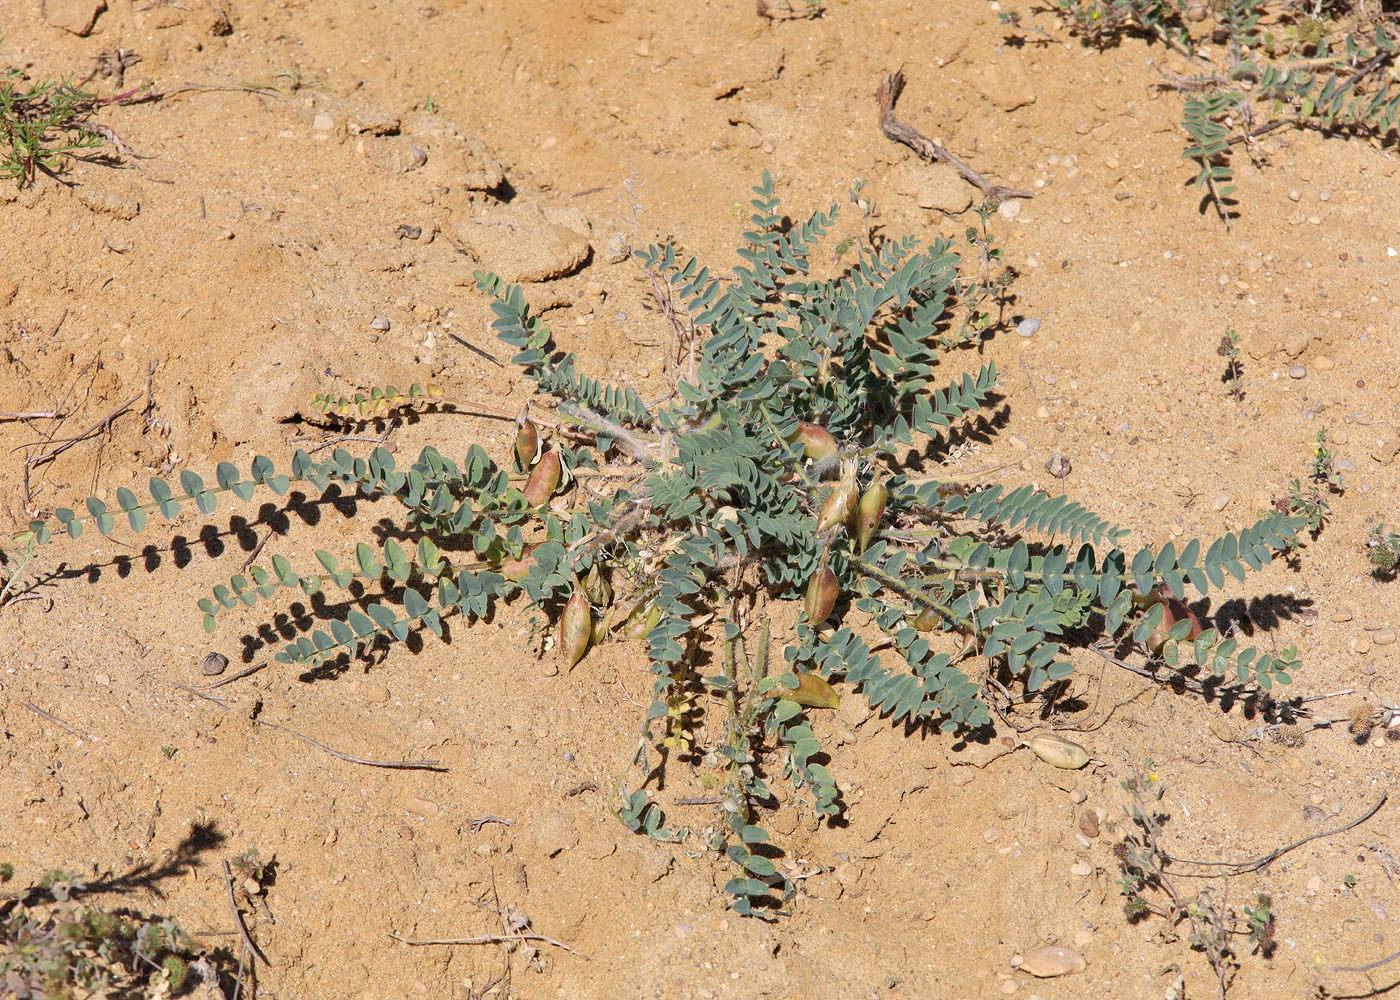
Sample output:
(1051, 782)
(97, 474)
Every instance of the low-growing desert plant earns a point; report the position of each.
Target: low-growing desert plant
(1233, 376)
(792, 459)
(42, 124)
(1382, 551)
(1275, 64)
(1307, 498)
(53, 945)
(1150, 888)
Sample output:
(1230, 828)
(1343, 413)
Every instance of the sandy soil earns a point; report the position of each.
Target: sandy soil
(242, 266)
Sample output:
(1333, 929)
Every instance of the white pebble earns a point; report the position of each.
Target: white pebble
(1028, 327)
(379, 323)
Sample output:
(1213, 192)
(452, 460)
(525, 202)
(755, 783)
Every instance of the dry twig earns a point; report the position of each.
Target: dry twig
(248, 941)
(56, 720)
(487, 939)
(1259, 864)
(401, 765)
(886, 96)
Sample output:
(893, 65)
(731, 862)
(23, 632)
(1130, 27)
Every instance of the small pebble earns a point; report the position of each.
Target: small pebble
(1009, 987)
(1078, 795)
(1081, 868)
(1342, 615)
(213, 664)
(421, 807)
(1369, 669)
(1345, 464)
(1089, 823)
(1298, 371)
(1008, 210)
(1220, 502)
(1018, 443)
(380, 323)
(1383, 637)
(1324, 195)
(1294, 194)
(1323, 363)
(1028, 327)
(549, 142)
(1360, 645)
(1314, 883)
(991, 835)
(323, 122)
(1042, 412)
(102, 679)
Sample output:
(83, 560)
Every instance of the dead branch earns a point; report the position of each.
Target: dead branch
(1259, 864)
(886, 96)
(487, 939)
(402, 765)
(238, 918)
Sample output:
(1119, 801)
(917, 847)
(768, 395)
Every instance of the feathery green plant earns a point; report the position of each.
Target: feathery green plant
(41, 125)
(1257, 85)
(782, 465)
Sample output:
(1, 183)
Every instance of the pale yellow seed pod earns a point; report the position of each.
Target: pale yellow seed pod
(842, 502)
(1058, 751)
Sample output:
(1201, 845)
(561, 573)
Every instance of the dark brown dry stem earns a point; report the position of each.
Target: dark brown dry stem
(886, 96)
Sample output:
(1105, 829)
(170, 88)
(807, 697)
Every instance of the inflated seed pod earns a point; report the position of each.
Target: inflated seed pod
(544, 480)
(519, 569)
(817, 442)
(1175, 611)
(811, 691)
(870, 512)
(842, 502)
(596, 587)
(527, 441)
(576, 627)
(822, 590)
(926, 621)
(643, 619)
(1058, 751)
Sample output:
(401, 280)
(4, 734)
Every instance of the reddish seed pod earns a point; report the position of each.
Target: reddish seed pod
(576, 628)
(519, 569)
(527, 441)
(870, 513)
(822, 590)
(544, 480)
(817, 442)
(1174, 610)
